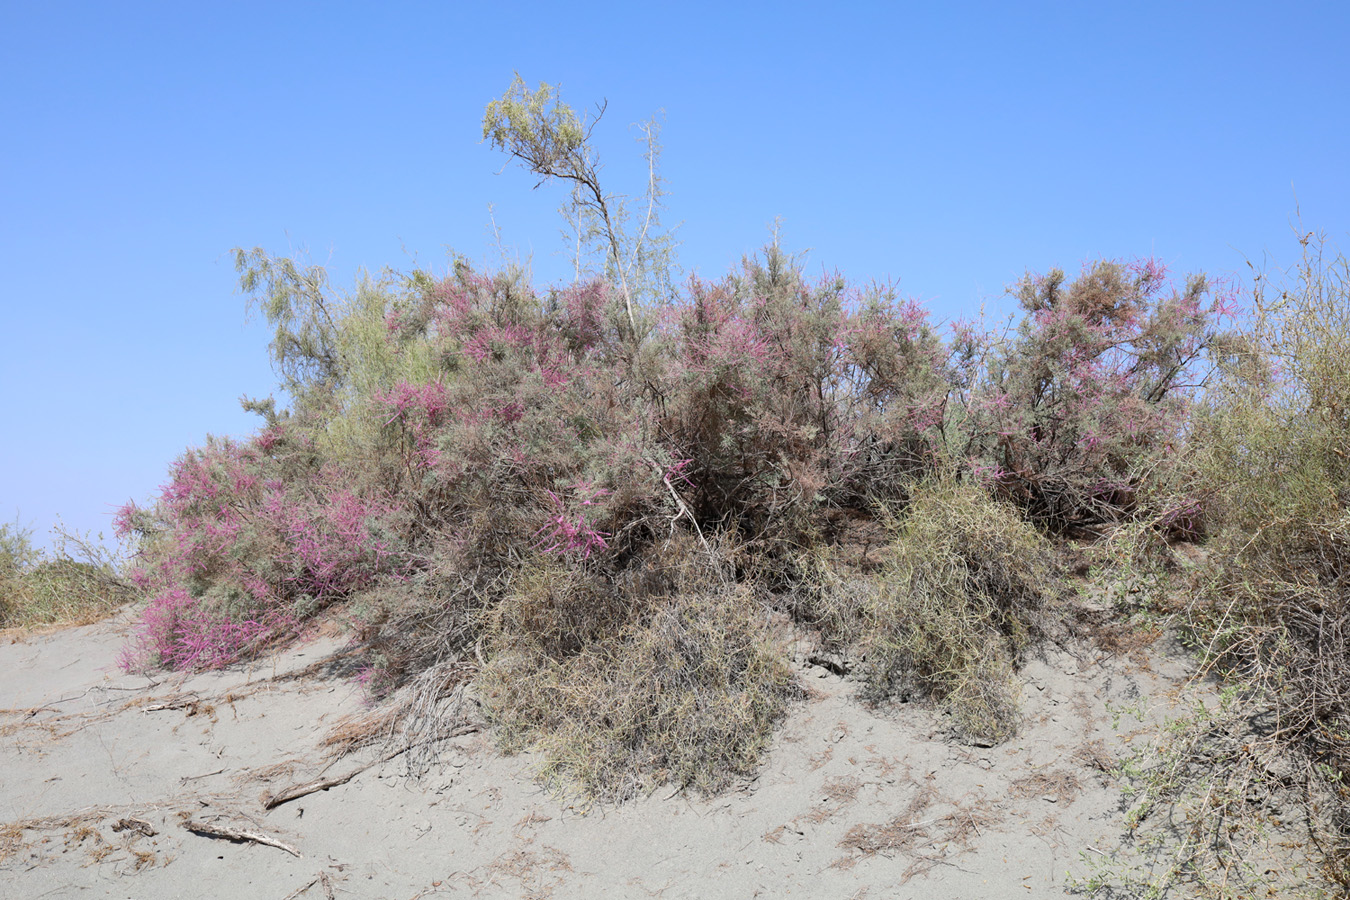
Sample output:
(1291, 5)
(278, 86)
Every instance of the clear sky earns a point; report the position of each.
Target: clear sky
(951, 146)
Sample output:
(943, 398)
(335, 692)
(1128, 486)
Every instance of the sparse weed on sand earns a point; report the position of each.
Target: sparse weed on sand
(1269, 612)
(1215, 810)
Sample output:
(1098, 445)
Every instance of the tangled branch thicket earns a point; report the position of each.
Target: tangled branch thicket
(601, 501)
(1274, 464)
(483, 474)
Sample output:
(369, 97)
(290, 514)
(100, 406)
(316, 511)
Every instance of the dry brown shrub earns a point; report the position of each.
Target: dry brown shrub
(685, 688)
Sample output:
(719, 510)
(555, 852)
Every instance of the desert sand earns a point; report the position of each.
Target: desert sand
(107, 774)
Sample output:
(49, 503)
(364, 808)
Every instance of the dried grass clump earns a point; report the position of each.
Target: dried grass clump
(966, 591)
(1059, 785)
(671, 679)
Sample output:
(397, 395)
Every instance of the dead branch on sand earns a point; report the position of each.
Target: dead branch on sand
(237, 835)
(321, 878)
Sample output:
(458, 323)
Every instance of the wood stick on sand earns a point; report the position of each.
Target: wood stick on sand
(321, 878)
(237, 835)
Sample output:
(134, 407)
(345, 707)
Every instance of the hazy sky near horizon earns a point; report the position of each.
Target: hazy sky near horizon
(949, 146)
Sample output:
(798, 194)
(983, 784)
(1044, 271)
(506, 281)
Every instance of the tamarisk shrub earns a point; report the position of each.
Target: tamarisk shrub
(589, 499)
(246, 543)
(788, 399)
(593, 495)
(1071, 415)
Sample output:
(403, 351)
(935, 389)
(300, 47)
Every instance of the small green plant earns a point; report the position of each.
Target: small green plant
(1138, 710)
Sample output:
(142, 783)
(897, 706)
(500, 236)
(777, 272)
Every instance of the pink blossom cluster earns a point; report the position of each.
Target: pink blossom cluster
(177, 632)
(235, 548)
(419, 409)
(566, 532)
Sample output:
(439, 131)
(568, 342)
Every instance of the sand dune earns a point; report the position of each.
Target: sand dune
(106, 776)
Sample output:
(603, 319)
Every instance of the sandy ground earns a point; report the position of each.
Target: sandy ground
(101, 771)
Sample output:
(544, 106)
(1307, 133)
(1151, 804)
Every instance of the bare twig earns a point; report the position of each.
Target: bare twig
(680, 505)
(300, 890)
(172, 704)
(313, 787)
(187, 778)
(322, 879)
(322, 784)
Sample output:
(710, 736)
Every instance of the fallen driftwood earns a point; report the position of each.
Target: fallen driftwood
(237, 835)
(181, 701)
(295, 792)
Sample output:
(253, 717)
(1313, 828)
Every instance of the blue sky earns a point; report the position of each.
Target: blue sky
(949, 146)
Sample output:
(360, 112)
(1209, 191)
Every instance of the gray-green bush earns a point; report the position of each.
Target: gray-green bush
(1273, 464)
(966, 588)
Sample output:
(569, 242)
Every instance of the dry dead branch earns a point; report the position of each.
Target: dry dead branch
(295, 792)
(237, 835)
(321, 879)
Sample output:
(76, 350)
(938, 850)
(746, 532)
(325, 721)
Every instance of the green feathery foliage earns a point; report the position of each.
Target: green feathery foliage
(547, 138)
